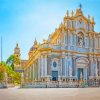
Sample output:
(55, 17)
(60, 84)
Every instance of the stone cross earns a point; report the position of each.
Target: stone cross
(80, 6)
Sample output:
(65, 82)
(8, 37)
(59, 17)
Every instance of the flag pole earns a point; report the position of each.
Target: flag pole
(1, 48)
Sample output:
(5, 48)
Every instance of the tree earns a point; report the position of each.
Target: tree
(5, 68)
(13, 59)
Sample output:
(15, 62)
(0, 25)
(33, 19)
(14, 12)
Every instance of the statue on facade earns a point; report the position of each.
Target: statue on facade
(80, 39)
(81, 76)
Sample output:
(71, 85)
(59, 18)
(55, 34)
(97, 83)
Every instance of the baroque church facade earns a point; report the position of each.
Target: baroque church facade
(71, 52)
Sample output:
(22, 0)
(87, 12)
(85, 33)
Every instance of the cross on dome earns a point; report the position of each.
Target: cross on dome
(80, 6)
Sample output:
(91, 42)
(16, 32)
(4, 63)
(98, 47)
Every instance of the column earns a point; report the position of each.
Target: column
(48, 65)
(65, 66)
(96, 68)
(41, 66)
(45, 65)
(30, 71)
(99, 66)
(37, 69)
(28, 74)
(60, 66)
(64, 38)
(91, 67)
(85, 73)
(22, 79)
(74, 65)
(39, 63)
(33, 71)
(69, 63)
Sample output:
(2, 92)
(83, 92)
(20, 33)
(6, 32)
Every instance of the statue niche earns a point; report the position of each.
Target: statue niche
(80, 39)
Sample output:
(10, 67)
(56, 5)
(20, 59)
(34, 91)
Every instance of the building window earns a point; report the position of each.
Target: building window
(80, 39)
(54, 64)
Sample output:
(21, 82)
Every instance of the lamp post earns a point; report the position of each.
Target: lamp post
(1, 48)
(22, 79)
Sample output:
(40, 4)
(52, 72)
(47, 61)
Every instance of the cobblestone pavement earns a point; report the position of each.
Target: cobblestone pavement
(50, 94)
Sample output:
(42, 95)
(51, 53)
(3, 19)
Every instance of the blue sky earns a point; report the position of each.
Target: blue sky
(23, 20)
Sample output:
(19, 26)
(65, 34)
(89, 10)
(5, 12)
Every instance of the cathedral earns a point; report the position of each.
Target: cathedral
(72, 51)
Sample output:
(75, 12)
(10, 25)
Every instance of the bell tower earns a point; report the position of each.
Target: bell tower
(17, 51)
(17, 60)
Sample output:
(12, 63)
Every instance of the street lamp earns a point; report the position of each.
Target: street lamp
(1, 49)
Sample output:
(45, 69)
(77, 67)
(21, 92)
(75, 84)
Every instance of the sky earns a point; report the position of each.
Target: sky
(23, 20)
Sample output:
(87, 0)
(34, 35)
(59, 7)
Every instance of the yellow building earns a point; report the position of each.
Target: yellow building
(19, 64)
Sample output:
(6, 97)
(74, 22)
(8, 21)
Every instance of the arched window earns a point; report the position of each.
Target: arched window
(54, 64)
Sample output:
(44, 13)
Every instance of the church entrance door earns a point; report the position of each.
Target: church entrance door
(82, 65)
(54, 75)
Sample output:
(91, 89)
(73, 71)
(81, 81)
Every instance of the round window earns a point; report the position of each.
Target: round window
(54, 64)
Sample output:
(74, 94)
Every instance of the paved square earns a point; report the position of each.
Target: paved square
(50, 94)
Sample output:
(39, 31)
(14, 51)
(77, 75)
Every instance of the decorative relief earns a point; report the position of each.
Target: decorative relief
(82, 62)
(54, 64)
(80, 39)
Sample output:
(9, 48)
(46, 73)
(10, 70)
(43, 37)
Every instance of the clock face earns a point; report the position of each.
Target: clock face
(54, 64)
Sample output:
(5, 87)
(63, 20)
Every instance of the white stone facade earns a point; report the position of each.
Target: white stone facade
(72, 50)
